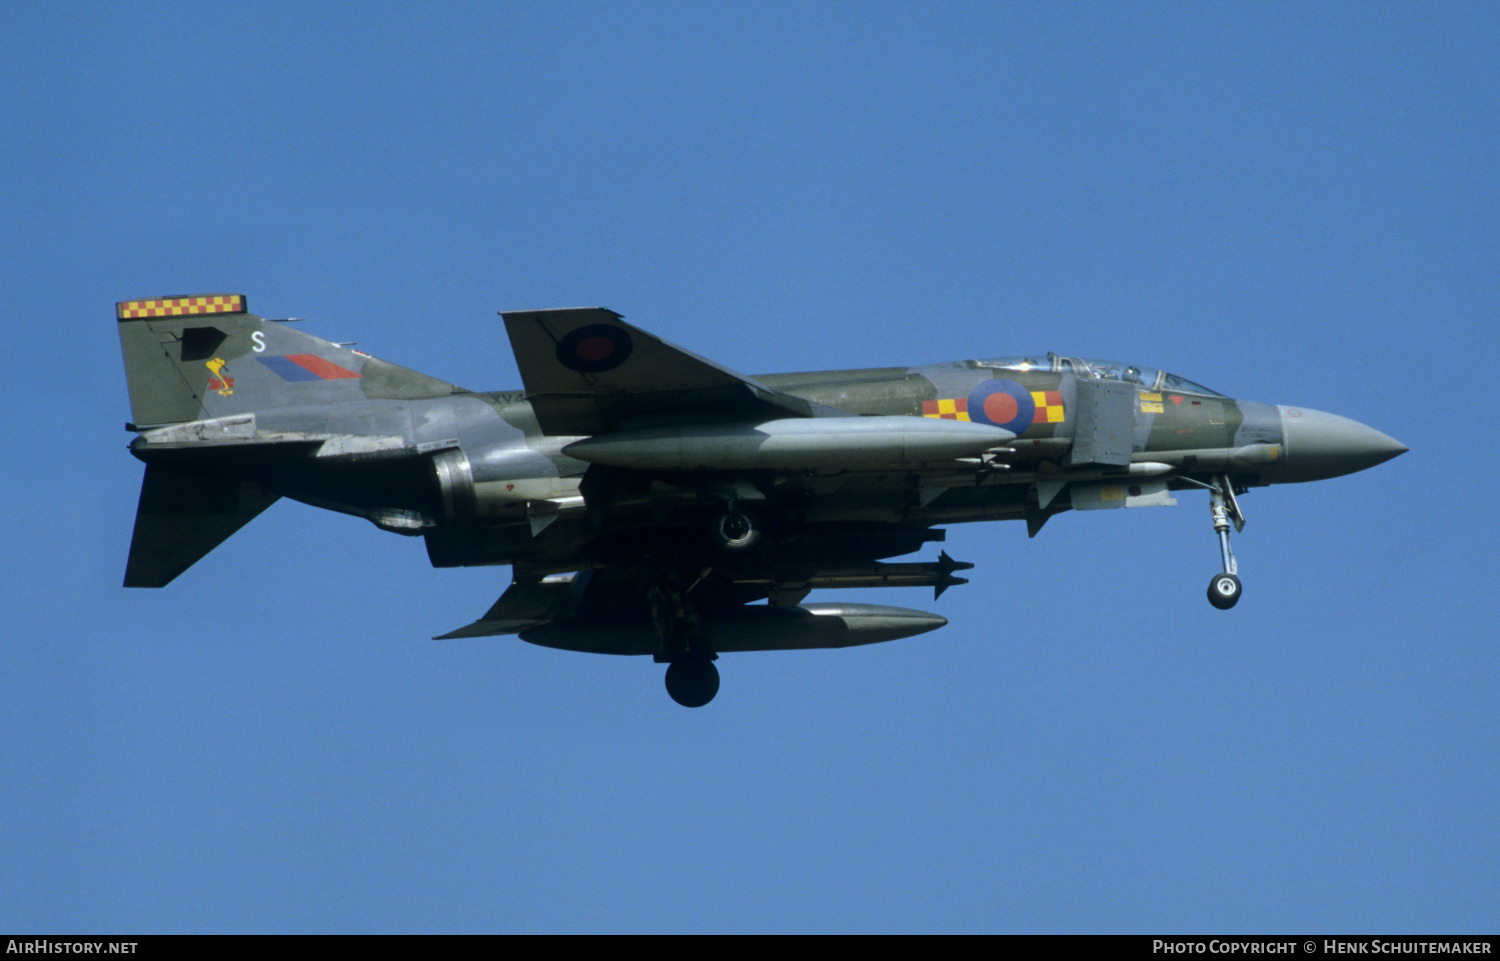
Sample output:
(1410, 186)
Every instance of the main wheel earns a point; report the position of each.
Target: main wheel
(735, 530)
(1224, 591)
(692, 681)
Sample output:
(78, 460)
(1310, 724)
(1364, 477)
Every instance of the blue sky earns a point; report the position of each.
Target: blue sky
(1292, 203)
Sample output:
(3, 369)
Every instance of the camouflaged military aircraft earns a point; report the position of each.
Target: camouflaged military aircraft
(647, 499)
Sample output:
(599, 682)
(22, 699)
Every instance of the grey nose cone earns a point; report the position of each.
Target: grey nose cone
(1320, 445)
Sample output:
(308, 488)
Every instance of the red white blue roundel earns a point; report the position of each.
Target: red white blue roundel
(1002, 403)
(595, 348)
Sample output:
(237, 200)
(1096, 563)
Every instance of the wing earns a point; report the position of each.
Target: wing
(671, 562)
(586, 371)
(606, 598)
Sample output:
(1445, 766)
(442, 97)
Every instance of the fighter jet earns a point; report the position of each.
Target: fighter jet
(649, 501)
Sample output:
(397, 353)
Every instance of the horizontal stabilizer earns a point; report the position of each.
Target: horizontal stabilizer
(181, 518)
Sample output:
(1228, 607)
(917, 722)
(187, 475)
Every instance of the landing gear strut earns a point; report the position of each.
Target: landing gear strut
(1224, 589)
(692, 679)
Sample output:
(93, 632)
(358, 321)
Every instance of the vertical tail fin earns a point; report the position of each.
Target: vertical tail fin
(175, 353)
(192, 358)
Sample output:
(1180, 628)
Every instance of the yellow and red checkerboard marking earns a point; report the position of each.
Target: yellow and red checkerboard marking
(1049, 407)
(953, 408)
(181, 306)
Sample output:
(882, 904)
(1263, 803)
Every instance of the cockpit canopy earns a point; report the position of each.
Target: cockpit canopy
(1147, 378)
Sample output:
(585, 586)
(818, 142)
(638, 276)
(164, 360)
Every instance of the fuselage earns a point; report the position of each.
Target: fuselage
(473, 472)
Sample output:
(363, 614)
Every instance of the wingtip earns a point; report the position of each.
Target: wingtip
(521, 313)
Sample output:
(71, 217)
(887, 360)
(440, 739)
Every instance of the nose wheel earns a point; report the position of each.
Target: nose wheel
(1224, 589)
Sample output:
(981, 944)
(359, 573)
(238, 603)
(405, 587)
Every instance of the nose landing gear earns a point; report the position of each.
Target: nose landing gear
(1224, 589)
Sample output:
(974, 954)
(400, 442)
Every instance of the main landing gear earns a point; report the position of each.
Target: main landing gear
(692, 678)
(1224, 589)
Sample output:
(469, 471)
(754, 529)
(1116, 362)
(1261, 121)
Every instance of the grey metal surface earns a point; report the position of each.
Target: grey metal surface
(1321, 445)
(1104, 424)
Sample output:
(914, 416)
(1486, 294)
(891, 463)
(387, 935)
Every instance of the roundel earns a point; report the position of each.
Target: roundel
(595, 348)
(1002, 403)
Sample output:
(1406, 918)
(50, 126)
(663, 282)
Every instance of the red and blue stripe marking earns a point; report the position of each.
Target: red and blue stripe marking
(301, 367)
